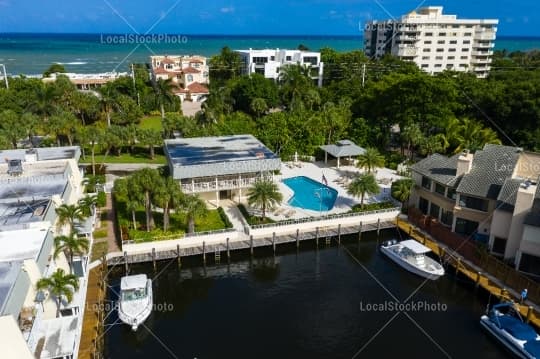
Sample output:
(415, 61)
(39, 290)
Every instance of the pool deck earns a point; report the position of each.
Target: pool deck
(344, 201)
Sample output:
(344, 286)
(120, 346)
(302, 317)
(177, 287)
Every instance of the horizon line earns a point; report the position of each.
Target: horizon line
(218, 35)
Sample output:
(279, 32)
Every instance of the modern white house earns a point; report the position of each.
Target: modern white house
(189, 72)
(219, 168)
(269, 62)
(492, 196)
(434, 41)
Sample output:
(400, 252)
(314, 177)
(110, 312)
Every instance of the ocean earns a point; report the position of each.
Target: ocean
(32, 54)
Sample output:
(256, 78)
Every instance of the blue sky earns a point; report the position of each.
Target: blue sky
(245, 16)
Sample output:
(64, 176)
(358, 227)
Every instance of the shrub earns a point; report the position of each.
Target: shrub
(373, 206)
(253, 220)
(101, 199)
(224, 218)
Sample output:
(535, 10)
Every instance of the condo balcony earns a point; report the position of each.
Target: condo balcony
(407, 50)
(482, 53)
(484, 35)
(221, 183)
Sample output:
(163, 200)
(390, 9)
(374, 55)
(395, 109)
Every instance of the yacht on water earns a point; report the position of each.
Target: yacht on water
(504, 322)
(136, 302)
(411, 255)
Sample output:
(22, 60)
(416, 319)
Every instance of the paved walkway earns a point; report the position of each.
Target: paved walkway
(234, 215)
(109, 222)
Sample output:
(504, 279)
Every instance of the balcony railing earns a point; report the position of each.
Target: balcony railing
(407, 50)
(221, 184)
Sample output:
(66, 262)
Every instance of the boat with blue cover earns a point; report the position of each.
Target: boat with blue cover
(504, 322)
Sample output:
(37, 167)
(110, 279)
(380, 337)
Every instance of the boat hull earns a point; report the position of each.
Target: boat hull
(134, 319)
(504, 338)
(408, 266)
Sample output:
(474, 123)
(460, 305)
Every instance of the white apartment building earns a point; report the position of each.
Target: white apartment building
(268, 62)
(434, 41)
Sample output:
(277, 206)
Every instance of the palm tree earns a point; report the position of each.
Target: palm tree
(361, 185)
(194, 207)
(412, 135)
(70, 245)
(127, 188)
(258, 106)
(59, 285)
(91, 135)
(164, 94)
(150, 138)
(370, 160)
(108, 101)
(44, 104)
(473, 136)
(68, 214)
(168, 195)
(11, 127)
(264, 194)
(401, 190)
(87, 205)
(146, 179)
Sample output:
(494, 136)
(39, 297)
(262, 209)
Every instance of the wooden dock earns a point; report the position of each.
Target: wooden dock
(249, 242)
(477, 275)
(91, 345)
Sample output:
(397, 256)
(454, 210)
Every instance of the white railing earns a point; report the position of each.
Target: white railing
(185, 235)
(323, 218)
(212, 185)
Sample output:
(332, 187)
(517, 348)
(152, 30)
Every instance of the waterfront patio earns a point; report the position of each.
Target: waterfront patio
(337, 178)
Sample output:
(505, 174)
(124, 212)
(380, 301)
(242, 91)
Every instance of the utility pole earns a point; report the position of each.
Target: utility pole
(5, 76)
(134, 85)
(363, 74)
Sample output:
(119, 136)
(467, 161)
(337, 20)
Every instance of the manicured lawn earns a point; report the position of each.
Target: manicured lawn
(127, 158)
(151, 122)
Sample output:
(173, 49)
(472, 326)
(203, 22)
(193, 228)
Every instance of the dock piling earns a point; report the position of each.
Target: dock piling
(178, 256)
(378, 226)
(339, 233)
(317, 237)
(360, 231)
(478, 276)
(228, 250)
(204, 252)
(529, 313)
(274, 242)
(126, 262)
(297, 238)
(154, 258)
(251, 244)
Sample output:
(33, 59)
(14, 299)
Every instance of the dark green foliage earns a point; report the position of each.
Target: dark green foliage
(372, 206)
(224, 218)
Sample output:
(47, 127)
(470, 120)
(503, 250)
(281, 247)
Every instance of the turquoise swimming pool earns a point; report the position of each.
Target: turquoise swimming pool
(310, 194)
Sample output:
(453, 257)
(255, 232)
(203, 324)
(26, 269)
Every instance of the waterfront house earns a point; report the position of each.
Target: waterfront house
(269, 62)
(189, 72)
(491, 195)
(88, 81)
(219, 168)
(434, 41)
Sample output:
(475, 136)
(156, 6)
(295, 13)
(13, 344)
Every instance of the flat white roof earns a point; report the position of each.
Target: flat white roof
(414, 246)
(21, 244)
(12, 344)
(133, 282)
(59, 335)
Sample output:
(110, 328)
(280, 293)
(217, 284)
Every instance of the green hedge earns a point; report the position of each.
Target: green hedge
(101, 199)
(373, 206)
(224, 218)
(253, 220)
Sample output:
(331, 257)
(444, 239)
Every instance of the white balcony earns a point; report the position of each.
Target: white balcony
(219, 184)
(482, 53)
(404, 50)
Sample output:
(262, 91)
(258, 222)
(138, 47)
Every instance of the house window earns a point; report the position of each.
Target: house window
(453, 42)
(499, 245)
(427, 50)
(425, 57)
(425, 66)
(451, 193)
(427, 42)
(464, 57)
(451, 57)
(465, 227)
(260, 60)
(438, 57)
(529, 263)
(440, 50)
(426, 183)
(466, 42)
(189, 78)
(423, 205)
(442, 33)
(288, 58)
(310, 60)
(434, 211)
(440, 189)
(272, 58)
(429, 34)
(468, 34)
(452, 50)
(447, 217)
(465, 49)
(438, 65)
(476, 203)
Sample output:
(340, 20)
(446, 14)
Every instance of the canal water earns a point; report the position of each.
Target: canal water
(344, 301)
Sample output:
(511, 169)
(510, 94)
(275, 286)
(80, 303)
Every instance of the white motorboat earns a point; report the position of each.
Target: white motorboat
(504, 322)
(135, 303)
(411, 255)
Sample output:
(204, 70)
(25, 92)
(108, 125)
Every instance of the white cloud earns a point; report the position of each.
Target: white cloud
(227, 10)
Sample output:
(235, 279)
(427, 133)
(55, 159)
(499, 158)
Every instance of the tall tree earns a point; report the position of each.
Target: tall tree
(362, 185)
(164, 94)
(108, 101)
(70, 245)
(370, 160)
(193, 206)
(69, 214)
(60, 286)
(264, 194)
(168, 196)
(146, 179)
(11, 127)
(401, 190)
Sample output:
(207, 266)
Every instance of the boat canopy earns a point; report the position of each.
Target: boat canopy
(133, 282)
(414, 246)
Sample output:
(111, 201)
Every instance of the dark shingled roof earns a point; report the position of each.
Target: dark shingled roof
(490, 168)
(439, 168)
(533, 217)
(507, 197)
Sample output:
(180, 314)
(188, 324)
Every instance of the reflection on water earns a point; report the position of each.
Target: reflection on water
(306, 304)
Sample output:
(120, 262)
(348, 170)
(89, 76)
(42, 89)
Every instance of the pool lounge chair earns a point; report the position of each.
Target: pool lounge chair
(290, 213)
(279, 211)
